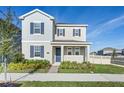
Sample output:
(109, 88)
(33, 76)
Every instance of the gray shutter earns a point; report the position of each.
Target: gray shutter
(63, 32)
(31, 28)
(79, 32)
(31, 51)
(73, 32)
(42, 51)
(57, 32)
(42, 28)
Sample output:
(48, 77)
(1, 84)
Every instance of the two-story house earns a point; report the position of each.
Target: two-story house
(43, 38)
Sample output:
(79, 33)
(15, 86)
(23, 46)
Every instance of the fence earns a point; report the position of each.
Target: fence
(118, 60)
(96, 59)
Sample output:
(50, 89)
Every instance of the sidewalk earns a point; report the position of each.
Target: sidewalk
(53, 69)
(63, 77)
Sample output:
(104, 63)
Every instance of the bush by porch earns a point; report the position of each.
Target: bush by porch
(87, 67)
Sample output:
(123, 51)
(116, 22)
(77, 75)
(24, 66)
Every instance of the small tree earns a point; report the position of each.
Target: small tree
(114, 53)
(8, 32)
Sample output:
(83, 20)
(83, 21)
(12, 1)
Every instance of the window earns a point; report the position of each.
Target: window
(76, 32)
(61, 32)
(37, 28)
(69, 51)
(77, 51)
(37, 50)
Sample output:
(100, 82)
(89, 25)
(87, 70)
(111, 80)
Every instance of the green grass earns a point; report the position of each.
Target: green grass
(110, 69)
(70, 84)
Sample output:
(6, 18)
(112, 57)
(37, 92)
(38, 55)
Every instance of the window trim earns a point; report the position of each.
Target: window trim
(60, 30)
(77, 32)
(69, 50)
(76, 50)
(37, 51)
(35, 28)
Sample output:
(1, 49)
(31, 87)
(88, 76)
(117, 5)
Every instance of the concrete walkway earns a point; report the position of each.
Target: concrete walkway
(63, 77)
(53, 69)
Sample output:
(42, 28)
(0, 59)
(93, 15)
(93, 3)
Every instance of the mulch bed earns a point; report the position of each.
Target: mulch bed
(9, 84)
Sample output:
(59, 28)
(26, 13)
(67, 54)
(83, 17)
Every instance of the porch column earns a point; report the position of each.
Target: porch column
(87, 52)
(62, 53)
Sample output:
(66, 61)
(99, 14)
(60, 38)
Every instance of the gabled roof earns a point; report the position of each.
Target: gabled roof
(33, 11)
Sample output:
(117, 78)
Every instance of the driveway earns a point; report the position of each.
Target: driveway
(63, 77)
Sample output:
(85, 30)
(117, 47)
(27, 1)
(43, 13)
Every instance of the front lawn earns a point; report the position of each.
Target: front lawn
(70, 84)
(68, 67)
(108, 69)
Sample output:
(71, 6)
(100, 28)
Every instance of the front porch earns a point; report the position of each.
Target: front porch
(69, 52)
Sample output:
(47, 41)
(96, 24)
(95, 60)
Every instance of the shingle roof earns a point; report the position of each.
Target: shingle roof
(33, 11)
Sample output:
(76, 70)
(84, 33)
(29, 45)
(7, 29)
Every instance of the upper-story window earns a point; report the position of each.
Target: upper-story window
(60, 32)
(36, 28)
(76, 32)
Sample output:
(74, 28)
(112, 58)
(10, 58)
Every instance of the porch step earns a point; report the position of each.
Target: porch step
(53, 69)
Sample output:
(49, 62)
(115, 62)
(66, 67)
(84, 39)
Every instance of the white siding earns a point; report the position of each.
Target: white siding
(77, 58)
(37, 17)
(41, 39)
(47, 49)
(69, 34)
(48, 36)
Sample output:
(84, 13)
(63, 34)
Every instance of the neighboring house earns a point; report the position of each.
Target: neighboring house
(122, 51)
(108, 51)
(93, 53)
(42, 38)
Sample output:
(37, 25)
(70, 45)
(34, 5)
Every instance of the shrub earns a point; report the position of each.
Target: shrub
(83, 67)
(29, 64)
(18, 57)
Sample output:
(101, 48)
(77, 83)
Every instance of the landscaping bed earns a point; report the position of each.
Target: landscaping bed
(70, 84)
(86, 67)
(10, 84)
(29, 66)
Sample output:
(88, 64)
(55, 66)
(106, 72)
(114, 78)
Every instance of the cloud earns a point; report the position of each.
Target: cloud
(107, 26)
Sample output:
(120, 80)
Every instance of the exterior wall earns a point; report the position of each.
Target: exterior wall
(95, 59)
(69, 34)
(37, 39)
(47, 50)
(48, 36)
(77, 58)
(37, 17)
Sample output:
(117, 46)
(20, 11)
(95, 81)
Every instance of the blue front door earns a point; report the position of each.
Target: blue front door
(58, 54)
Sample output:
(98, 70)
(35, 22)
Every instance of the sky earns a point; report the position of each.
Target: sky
(105, 23)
